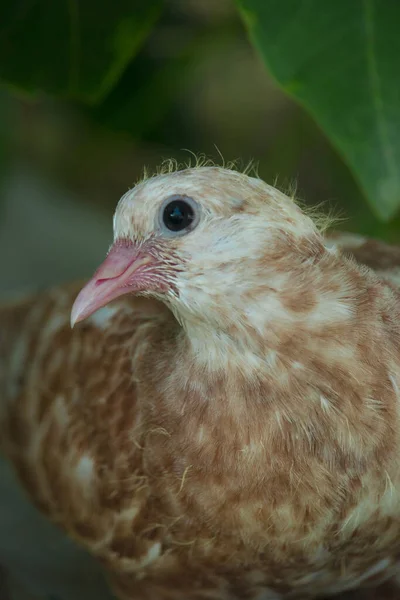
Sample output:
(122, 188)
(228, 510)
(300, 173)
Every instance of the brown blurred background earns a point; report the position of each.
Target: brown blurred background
(196, 84)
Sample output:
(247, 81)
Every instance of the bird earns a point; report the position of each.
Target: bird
(222, 419)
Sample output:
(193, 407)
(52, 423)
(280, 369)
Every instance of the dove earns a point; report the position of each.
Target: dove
(223, 420)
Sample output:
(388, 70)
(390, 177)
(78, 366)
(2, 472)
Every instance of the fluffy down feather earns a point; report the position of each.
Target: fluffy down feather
(224, 423)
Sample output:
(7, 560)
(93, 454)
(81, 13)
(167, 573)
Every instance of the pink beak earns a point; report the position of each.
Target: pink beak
(123, 271)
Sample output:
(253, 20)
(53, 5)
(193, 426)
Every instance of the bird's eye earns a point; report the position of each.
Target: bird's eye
(179, 214)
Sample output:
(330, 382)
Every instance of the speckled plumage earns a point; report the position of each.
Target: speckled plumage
(236, 432)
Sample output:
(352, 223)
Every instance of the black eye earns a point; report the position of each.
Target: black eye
(179, 214)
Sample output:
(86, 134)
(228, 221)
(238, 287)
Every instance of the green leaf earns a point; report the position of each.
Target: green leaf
(75, 48)
(341, 60)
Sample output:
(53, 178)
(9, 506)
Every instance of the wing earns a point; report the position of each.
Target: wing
(69, 417)
(38, 561)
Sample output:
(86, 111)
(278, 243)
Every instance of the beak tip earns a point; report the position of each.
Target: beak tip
(76, 314)
(73, 320)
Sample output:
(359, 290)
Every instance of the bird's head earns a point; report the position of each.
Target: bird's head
(203, 241)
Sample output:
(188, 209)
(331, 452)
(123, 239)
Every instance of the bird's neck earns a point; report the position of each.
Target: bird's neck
(304, 303)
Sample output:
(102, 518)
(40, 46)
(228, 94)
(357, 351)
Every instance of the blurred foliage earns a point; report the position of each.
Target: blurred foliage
(96, 91)
(75, 49)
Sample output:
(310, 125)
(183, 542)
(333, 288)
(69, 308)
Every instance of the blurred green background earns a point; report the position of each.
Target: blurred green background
(196, 83)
